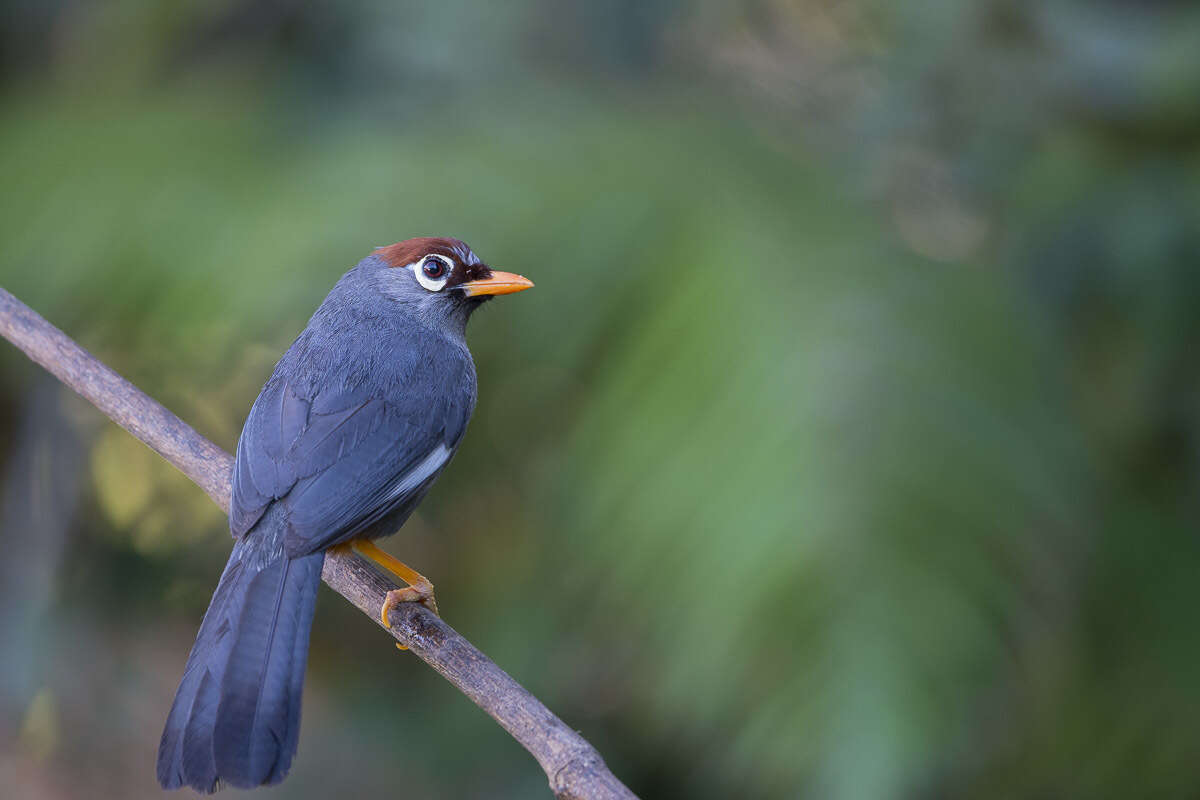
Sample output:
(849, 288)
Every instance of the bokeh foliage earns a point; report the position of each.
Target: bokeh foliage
(846, 448)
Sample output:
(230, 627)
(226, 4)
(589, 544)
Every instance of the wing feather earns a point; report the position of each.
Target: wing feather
(341, 445)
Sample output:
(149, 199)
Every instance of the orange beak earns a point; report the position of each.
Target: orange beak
(498, 283)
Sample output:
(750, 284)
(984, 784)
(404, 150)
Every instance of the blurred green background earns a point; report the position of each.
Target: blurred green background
(848, 447)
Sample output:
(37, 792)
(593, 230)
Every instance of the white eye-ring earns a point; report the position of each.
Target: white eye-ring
(433, 271)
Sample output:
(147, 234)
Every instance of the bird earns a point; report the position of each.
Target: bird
(359, 417)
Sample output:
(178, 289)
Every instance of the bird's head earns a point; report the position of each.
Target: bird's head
(440, 279)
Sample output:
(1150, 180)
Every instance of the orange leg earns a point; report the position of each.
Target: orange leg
(419, 589)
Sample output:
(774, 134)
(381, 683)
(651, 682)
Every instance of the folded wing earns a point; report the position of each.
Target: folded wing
(341, 453)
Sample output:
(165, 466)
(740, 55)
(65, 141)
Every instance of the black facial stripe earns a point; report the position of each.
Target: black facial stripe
(463, 273)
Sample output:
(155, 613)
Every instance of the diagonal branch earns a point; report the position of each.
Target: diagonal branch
(573, 766)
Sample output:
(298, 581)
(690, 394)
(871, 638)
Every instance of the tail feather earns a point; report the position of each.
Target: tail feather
(258, 718)
(185, 752)
(198, 768)
(236, 715)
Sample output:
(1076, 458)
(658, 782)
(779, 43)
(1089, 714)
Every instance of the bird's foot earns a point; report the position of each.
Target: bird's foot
(420, 592)
(419, 589)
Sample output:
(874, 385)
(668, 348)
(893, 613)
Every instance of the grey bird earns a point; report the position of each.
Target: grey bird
(359, 418)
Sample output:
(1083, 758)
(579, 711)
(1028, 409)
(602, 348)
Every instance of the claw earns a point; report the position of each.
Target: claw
(418, 593)
(419, 590)
(421, 593)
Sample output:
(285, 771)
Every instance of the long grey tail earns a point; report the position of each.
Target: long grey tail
(236, 716)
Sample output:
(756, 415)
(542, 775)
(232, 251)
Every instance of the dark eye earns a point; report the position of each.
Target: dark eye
(434, 268)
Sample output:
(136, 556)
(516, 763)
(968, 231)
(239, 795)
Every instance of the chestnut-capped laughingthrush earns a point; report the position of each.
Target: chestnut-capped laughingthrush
(360, 416)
